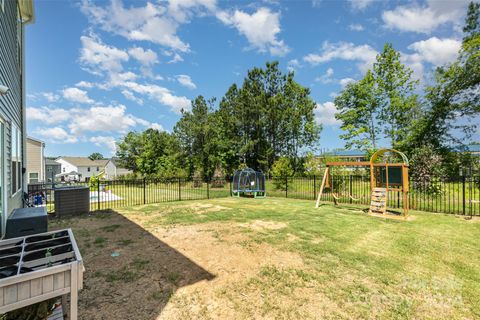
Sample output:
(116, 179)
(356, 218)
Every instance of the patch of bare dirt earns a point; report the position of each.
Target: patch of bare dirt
(261, 225)
(175, 272)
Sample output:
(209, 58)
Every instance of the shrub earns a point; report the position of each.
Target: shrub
(281, 171)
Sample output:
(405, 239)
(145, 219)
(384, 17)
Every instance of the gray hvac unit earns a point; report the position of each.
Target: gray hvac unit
(72, 200)
(26, 221)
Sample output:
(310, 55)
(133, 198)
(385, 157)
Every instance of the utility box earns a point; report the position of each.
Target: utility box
(26, 221)
(72, 200)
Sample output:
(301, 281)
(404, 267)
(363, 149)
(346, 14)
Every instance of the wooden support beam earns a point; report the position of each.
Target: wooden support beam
(325, 175)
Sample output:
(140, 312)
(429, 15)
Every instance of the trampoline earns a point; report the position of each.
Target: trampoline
(248, 182)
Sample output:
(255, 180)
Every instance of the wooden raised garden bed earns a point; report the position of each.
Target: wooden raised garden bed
(40, 267)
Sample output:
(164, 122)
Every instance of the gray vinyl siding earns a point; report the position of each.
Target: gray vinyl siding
(10, 76)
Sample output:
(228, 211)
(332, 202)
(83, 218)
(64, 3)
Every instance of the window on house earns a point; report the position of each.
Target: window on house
(16, 157)
(33, 177)
(63, 169)
(88, 169)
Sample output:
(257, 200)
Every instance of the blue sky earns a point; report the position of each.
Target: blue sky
(96, 70)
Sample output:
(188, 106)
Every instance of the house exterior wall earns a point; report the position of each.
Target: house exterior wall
(66, 167)
(112, 171)
(51, 170)
(35, 159)
(86, 175)
(12, 109)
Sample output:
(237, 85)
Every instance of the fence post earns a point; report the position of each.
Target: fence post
(231, 181)
(286, 187)
(179, 189)
(350, 188)
(98, 194)
(463, 193)
(144, 191)
(314, 187)
(208, 190)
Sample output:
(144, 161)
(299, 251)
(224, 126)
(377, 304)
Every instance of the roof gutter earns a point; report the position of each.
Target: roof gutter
(26, 11)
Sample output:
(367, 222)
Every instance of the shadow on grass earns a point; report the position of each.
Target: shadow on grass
(130, 273)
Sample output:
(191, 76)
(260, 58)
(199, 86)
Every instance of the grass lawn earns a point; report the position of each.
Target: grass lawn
(275, 258)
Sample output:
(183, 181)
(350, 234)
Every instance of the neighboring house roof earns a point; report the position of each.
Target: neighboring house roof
(84, 161)
(51, 162)
(35, 139)
(344, 153)
(468, 148)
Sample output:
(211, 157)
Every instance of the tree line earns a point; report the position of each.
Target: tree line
(269, 116)
(268, 122)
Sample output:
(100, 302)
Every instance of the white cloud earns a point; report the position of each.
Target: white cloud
(161, 94)
(156, 126)
(345, 51)
(56, 135)
(415, 62)
(293, 65)
(85, 84)
(47, 115)
(130, 96)
(316, 3)
(96, 55)
(327, 77)
(82, 122)
(325, 114)
(103, 119)
(186, 81)
(77, 95)
(176, 58)
(50, 96)
(148, 23)
(106, 61)
(106, 141)
(182, 10)
(360, 4)
(146, 57)
(261, 29)
(437, 51)
(356, 27)
(425, 19)
(343, 82)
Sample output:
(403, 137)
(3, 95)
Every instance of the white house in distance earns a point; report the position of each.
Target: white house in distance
(35, 160)
(114, 170)
(81, 167)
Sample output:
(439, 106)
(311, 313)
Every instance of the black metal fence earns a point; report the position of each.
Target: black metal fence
(458, 196)
(125, 193)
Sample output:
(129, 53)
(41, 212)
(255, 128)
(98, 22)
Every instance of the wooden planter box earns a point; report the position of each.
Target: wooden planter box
(40, 267)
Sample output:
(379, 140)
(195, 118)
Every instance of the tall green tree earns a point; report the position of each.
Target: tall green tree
(196, 133)
(96, 156)
(395, 90)
(273, 116)
(358, 110)
(379, 106)
(453, 102)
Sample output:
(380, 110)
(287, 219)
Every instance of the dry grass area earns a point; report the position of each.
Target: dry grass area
(274, 259)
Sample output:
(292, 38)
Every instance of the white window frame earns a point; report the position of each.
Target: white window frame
(38, 176)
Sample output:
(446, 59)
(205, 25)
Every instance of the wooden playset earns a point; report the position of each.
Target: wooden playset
(385, 177)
